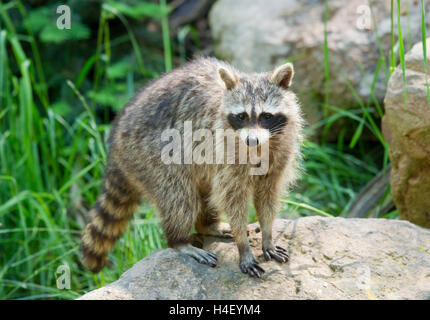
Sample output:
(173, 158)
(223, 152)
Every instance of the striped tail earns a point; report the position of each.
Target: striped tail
(108, 220)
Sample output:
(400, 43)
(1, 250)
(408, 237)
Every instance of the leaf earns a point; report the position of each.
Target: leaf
(118, 70)
(113, 95)
(61, 108)
(357, 134)
(306, 206)
(139, 10)
(78, 31)
(38, 18)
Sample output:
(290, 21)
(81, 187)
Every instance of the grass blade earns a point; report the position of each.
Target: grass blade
(424, 42)
(401, 52)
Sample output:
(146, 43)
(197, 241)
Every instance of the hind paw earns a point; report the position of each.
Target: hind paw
(277, 253)
(252, 268)
(218, 229)
(202, 256)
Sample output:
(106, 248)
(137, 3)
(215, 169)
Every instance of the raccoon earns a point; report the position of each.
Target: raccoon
(210, 94)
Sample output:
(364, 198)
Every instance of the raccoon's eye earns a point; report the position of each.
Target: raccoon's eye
(242, 116)
(267, 115)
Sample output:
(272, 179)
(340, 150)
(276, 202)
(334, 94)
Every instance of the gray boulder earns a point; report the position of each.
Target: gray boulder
(406, 127)
(330, 258)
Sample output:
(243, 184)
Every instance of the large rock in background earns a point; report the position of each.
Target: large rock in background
(407, 131)
(330, 258)
(260, 34)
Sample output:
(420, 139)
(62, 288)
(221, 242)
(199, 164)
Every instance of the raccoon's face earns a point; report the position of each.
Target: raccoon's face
(256, 107)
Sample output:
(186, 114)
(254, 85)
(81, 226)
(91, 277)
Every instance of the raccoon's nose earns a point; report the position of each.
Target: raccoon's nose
(252, 141)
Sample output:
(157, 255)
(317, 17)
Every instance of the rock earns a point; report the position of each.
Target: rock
(330, 258)
(407, 131)
(260, 34)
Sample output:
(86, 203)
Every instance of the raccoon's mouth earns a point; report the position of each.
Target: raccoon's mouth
(253, 137)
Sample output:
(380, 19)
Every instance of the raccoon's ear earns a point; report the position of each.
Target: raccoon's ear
(283, 75)
(228, 78)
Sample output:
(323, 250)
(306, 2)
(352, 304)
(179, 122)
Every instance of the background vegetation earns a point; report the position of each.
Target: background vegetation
(59, 91)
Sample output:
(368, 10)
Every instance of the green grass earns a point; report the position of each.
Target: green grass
(393, 63)
(166, 39)
(401, 51)
(423, 39)
(54, 127)
(51, 171)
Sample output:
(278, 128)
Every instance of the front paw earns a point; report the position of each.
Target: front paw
(252, 268)
(277, 253)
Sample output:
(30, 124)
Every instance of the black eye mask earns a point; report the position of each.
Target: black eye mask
(236, 122)
(275, 123)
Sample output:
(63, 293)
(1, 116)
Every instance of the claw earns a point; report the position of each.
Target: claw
(280, 248)
(213, 255)
(202, 256)
(277, 253)
(252, 268)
